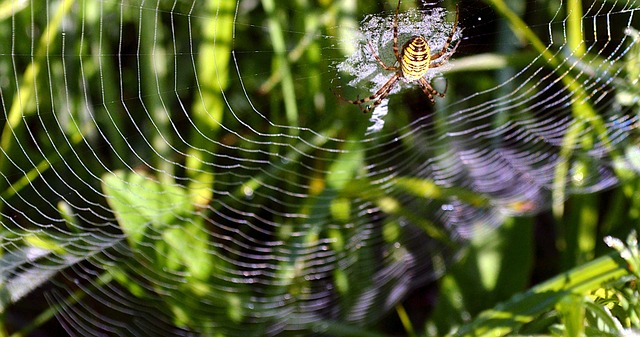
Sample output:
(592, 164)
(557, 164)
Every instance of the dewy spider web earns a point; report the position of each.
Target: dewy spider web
(363, 65)
(182, 168)
(429, 23)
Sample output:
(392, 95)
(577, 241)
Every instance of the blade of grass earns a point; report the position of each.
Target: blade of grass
(208, 111)
(406, 321)
(8, 8)
(281, 63)
(152, 75)
(580, 230)
(523, 308)
(576, 46)
(307, 41)
(26, 91)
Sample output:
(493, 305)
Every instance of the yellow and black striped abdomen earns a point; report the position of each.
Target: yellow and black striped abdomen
(416, 56)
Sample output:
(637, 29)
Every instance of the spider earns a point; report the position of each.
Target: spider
(412, 63)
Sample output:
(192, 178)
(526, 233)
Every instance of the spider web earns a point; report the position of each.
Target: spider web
(183, 168)
(429, 23)
(365, 68)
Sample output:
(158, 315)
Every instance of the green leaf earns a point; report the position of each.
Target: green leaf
(189, 246)
(571, 308)
(346, 166)
(139, 201)
(523, 308)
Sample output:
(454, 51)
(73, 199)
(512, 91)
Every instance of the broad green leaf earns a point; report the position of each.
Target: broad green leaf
(139, 201)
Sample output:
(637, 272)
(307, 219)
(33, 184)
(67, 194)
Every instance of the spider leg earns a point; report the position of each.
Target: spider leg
(383, 94)
(396, 51)
(395, 34)
(448, 42)
(430, 91)
(441, 62)
(384, 66)
(360, 100)
(378, 96)
(446, 86)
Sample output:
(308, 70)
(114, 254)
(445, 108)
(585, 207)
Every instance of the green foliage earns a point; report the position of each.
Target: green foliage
(129, 153)
(160, 223)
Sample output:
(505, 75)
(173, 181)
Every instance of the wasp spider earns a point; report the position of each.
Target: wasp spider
(412, 63)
